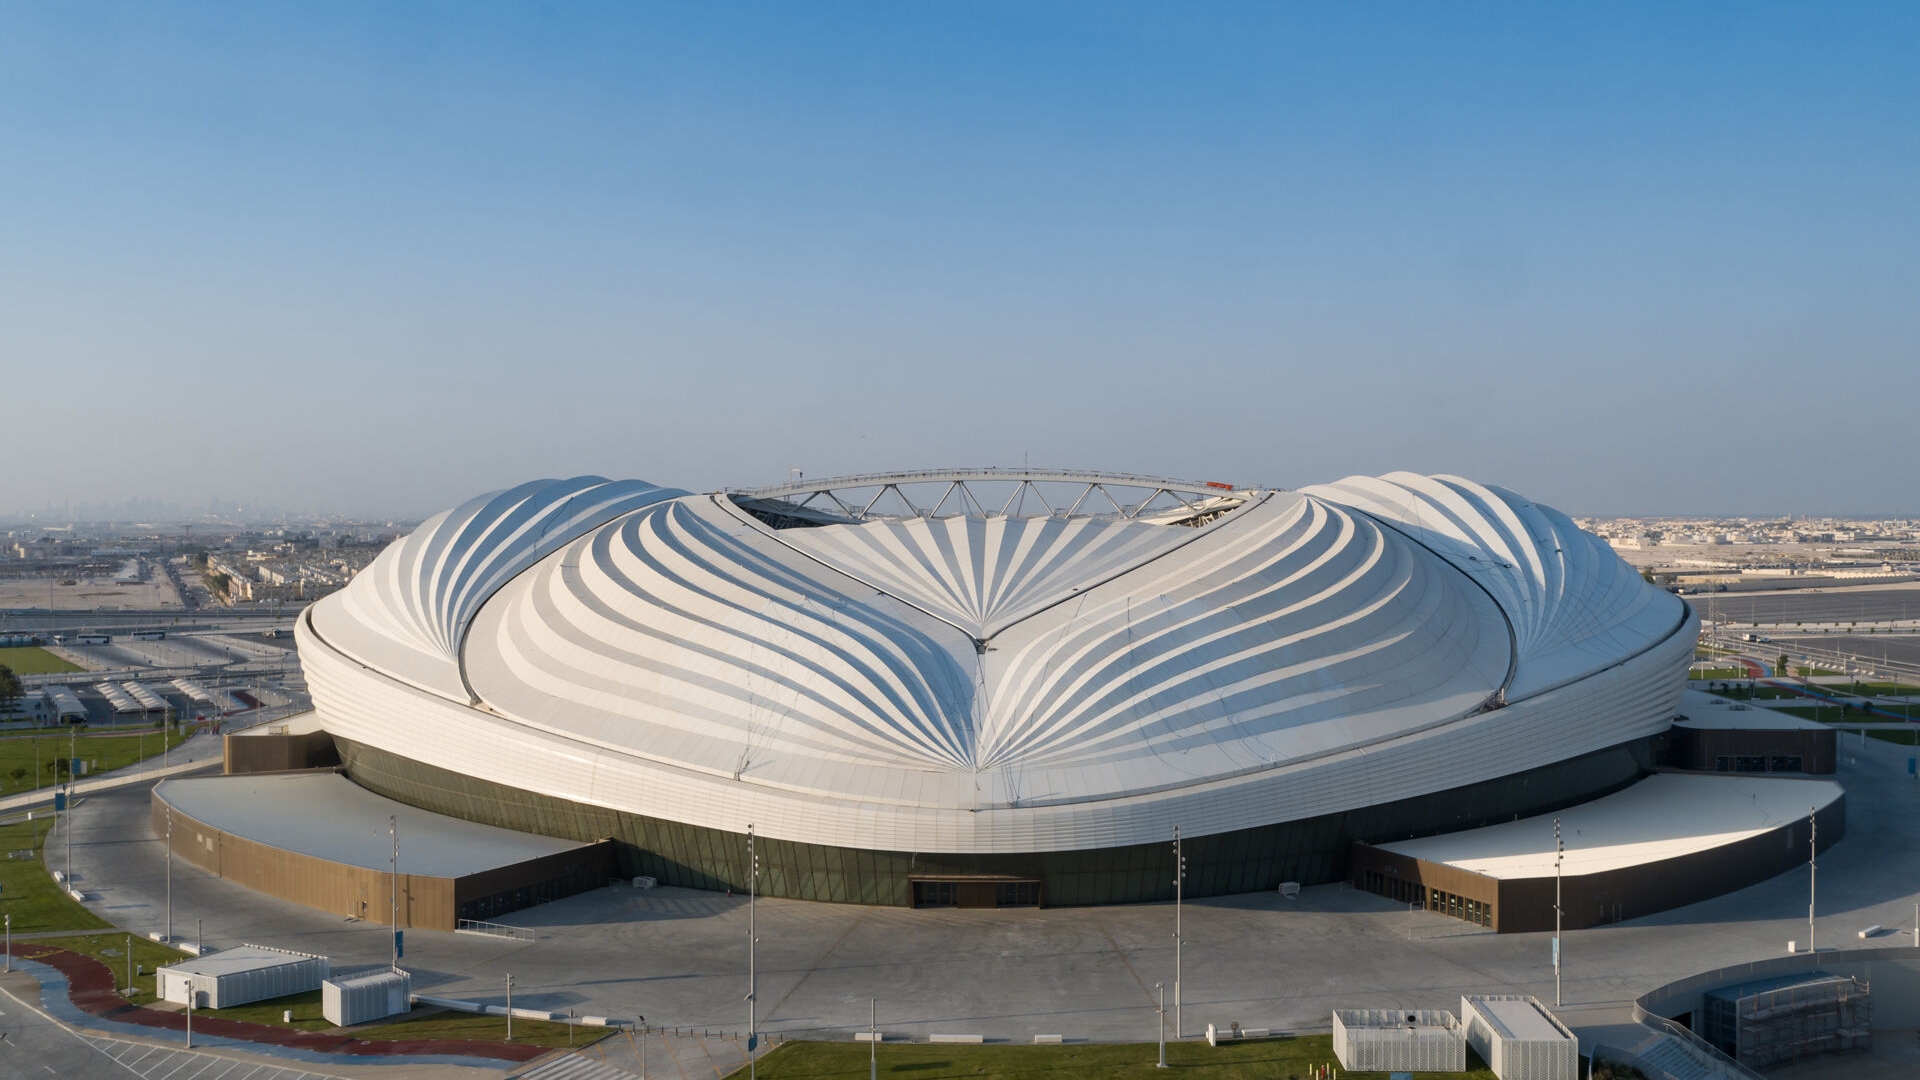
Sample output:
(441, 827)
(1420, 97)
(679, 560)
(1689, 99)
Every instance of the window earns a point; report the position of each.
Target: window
(933, 894)
(1018, 894)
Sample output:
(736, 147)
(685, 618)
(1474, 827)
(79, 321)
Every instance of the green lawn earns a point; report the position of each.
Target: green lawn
(27, 892)
(111, 950)
(21, 755)
(1718, 673)
(1264, 1059)
(1901, 689)
(306, 1012)
(423, 1023)
(1832, 714)
(34, 660)
(1764, 693)
(1910, 737)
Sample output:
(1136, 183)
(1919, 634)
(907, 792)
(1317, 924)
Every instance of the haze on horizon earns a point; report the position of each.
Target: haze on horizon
(377, 259)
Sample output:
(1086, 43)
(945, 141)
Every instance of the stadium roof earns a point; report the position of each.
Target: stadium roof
(965, 654)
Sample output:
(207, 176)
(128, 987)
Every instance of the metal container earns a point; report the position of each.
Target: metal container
(363, 998)
(1398, 1040)
(238, 976)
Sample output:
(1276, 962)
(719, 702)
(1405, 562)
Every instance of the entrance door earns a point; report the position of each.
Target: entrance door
(976, 893)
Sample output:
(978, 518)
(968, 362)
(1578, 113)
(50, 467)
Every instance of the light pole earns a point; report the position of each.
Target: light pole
(1916, 936)
(1161, 1009)
(1179, 888)
(1813, 854)
(1559, 852)
(129, 965)
(393, 899)
(753, 887)
(873, 1039)
(509, 1006)
(169, 873)
(73, 745)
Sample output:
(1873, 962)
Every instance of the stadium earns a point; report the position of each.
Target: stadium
(996, 687)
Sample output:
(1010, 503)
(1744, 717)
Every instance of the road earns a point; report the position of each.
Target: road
(1864, 605)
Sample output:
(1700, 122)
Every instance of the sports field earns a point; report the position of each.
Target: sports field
(33, 660)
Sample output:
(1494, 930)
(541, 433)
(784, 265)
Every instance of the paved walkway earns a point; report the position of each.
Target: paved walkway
(197, 753)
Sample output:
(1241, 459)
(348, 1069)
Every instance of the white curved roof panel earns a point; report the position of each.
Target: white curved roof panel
(985, 682)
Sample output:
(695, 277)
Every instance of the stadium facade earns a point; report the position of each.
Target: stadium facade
(996, 687)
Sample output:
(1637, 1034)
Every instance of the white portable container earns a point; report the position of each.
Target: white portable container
(1398, 1040)
(366, 997)
(238, 976)
(1519, 1038)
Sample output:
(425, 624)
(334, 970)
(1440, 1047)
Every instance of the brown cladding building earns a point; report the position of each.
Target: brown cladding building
(1668, 841)
(1717, 735)
(320, 840)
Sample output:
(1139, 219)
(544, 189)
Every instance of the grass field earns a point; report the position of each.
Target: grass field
(1764, 693)
(1900, 689)
(28, 762)
(1264, 1059)
(1717, 673)
(111, 950)
(423, 1023)
(33, 660)
(1910, 737)
(27, 892)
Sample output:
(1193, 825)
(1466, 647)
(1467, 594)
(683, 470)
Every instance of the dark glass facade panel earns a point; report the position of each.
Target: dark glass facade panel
(1311, 851)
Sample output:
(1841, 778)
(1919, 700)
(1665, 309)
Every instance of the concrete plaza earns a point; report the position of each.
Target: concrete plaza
(679, 957)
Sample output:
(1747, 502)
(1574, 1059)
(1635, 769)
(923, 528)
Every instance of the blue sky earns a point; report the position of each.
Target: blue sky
(377, 258)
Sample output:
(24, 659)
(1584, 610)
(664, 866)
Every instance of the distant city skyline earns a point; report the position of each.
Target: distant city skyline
(374, 261)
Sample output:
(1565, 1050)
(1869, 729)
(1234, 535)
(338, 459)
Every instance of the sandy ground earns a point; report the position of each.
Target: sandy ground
(102, 593)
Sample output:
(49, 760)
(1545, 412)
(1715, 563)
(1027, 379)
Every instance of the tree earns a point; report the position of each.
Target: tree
(10, 689)
(19, 774)
(1781, 668)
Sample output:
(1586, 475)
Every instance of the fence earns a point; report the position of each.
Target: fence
(494, 929)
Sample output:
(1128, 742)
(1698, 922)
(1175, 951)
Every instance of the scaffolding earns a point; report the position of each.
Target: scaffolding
(1780, 1020)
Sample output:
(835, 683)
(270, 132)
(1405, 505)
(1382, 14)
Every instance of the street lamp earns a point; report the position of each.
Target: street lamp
(1179, 887)
(1559, 853)
(73, 745)
(1813, 854)
(393, 898)
(1161, 1011)
(509, 1006)
(753, 887)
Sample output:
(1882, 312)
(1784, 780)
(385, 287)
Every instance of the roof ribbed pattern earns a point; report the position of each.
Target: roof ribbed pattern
(1574, 605)
(423, 590)
(982, 574)
(672, 631)
(981, 682)
(690, 634)
(1300, 628)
